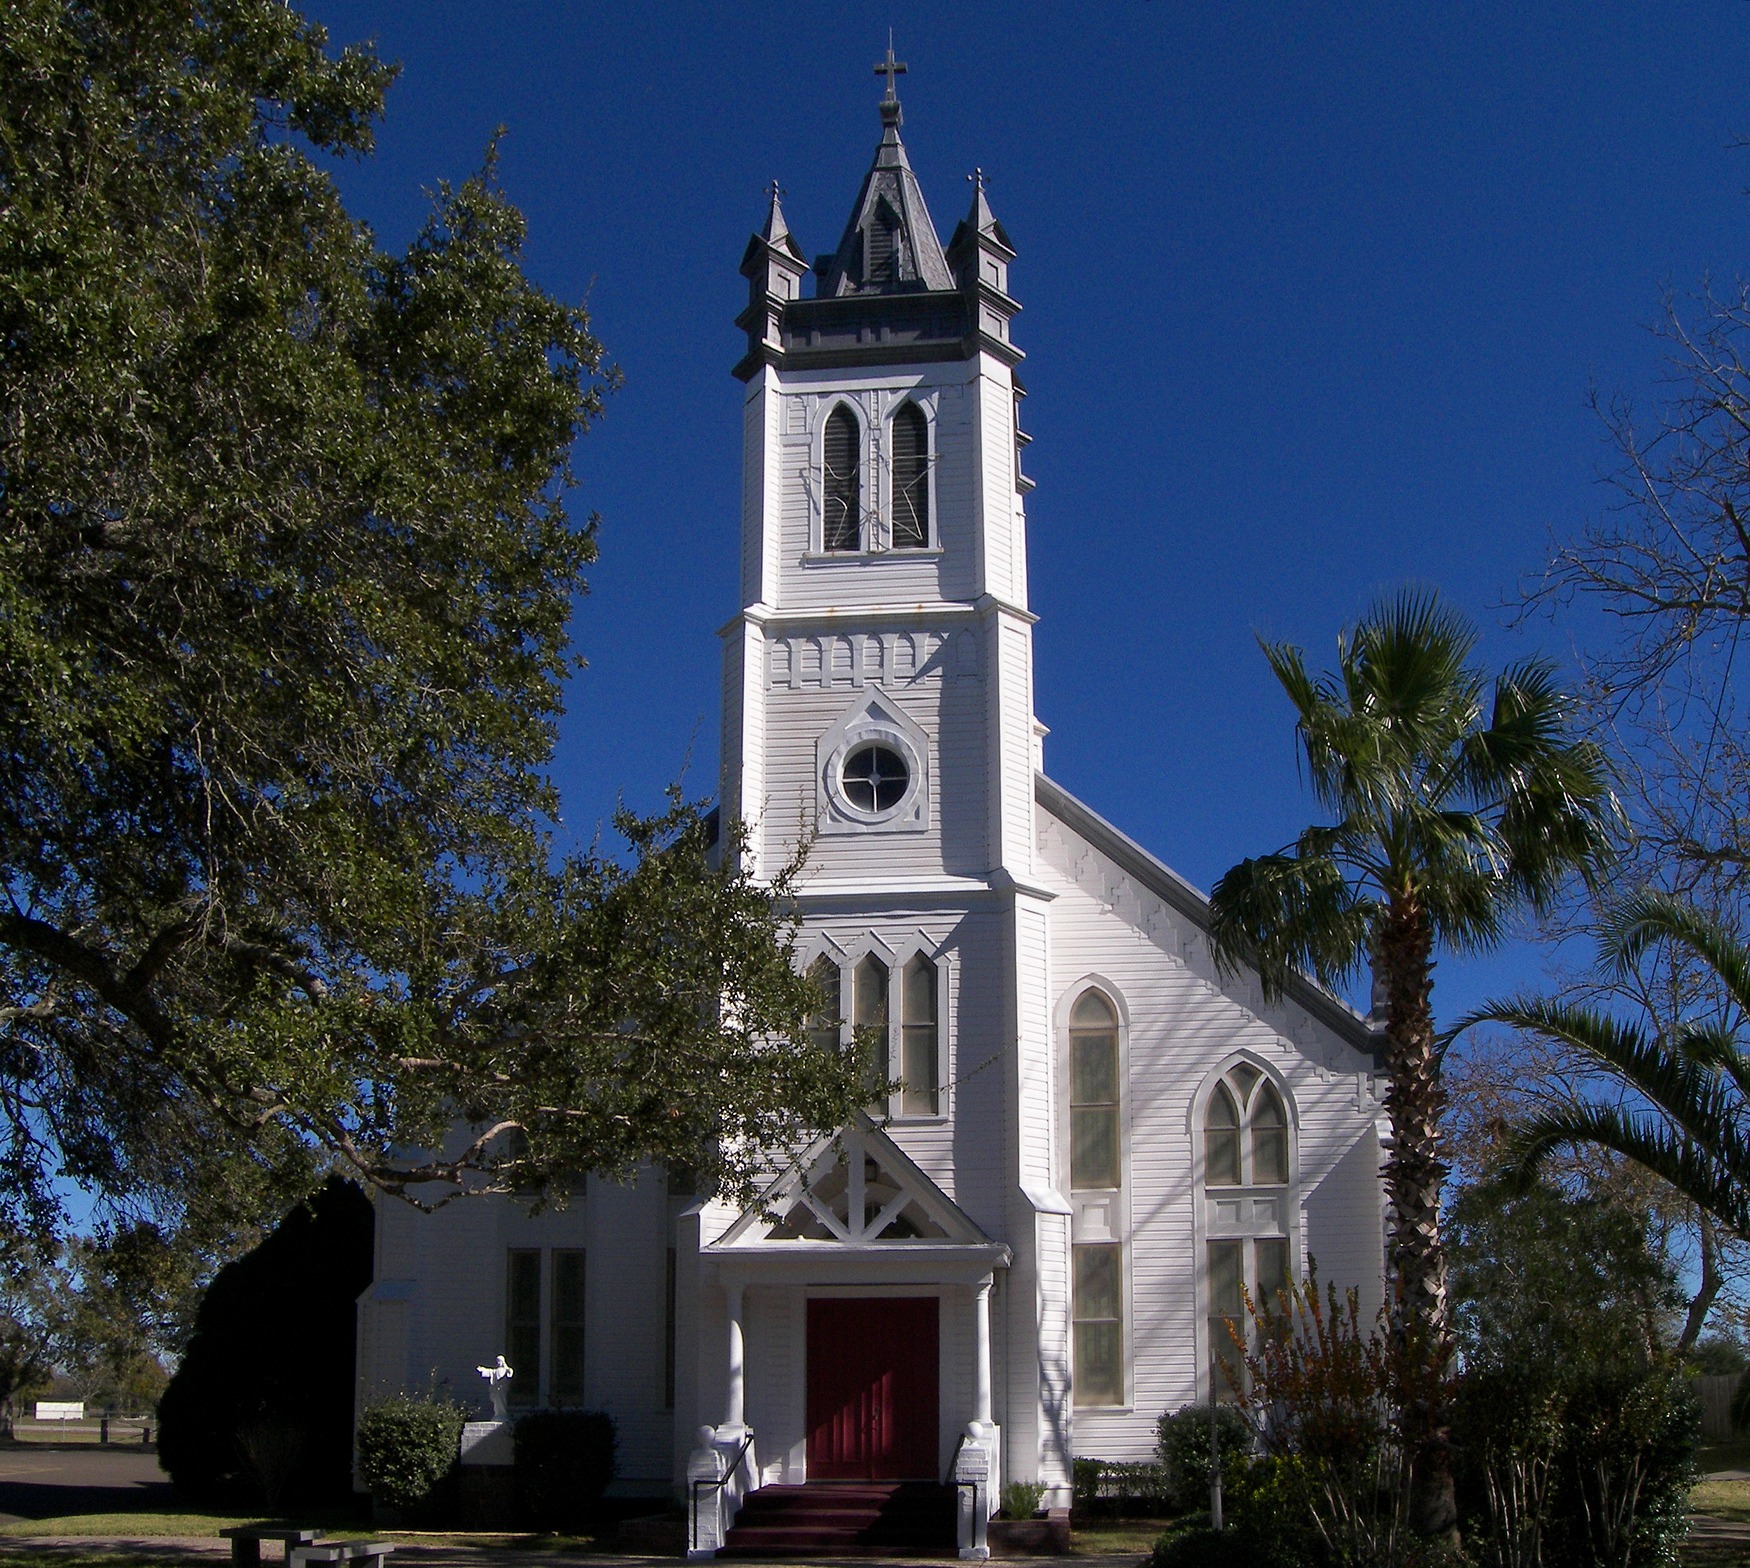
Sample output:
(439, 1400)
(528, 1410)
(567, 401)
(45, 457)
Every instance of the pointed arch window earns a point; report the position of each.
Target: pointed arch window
(1246, 1173)
(911, 478)
(823, 1028)
(841, 483)
(1094, 1160)
(919, 1039)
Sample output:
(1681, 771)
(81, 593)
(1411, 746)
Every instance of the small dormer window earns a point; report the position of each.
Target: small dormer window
(911, 479)
(841, 517)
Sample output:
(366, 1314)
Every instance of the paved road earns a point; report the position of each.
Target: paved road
(44, 1485)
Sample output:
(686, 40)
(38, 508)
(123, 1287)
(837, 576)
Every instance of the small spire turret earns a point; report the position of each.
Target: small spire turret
(774, 267)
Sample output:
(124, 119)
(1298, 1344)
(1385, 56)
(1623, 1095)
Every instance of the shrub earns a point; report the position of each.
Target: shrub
(1327, 1392)
(1182, 1441)
(1239, 1546)
(1626, 1467)
(408, 1452)
(1110, 1486)
(1021, 1499)
(564, 1462)
(1507, 1430)
(1575, 1469)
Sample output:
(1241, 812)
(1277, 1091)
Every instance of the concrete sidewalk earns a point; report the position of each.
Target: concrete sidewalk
(194, 1549)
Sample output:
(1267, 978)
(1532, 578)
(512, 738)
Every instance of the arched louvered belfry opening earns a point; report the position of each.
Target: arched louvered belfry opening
(841, 483)
(911, 478)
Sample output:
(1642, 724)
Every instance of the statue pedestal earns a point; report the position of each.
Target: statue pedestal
(488, 1475)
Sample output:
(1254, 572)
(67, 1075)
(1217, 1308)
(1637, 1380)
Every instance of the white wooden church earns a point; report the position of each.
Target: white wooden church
(1098, 1138)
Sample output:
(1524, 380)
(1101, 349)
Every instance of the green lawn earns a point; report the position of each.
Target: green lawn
(1109, 1537)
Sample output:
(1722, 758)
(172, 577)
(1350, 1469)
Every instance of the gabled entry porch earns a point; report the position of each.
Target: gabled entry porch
(855, 1338)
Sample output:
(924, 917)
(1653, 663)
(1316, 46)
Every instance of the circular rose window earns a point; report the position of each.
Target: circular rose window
(874, 778)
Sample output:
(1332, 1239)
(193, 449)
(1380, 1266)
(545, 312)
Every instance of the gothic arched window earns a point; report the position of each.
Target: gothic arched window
(1246, 1171)
(841, 483)
(823, 1027)
(1093, 1093)
(869, 1016)
(911, 479)
(918, 1039)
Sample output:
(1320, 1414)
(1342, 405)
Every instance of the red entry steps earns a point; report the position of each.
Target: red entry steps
(845, 1519)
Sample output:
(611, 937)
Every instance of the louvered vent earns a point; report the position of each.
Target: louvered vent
(841, 530)
(911, 479)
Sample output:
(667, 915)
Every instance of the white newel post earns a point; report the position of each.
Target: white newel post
(975, 1464)
(714, 1488)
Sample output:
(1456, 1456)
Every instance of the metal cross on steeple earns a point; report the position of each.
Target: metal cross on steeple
(891, 68)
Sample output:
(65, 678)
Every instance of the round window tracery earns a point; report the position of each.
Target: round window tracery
(874, 778)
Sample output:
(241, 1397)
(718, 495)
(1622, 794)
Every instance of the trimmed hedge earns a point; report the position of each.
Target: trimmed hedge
(564, 1462)
(1182, 1440)
(409, 1450)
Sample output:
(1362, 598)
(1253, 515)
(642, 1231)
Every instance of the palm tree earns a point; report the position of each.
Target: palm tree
(1693, 1124)
(1454, 806)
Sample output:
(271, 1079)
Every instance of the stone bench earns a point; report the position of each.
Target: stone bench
(369, 1553)
(246, 1540)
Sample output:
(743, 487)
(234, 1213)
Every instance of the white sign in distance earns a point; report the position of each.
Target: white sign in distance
(60, 1410)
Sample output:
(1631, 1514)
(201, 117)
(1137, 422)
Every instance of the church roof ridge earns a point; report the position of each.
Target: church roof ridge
(1165, 883)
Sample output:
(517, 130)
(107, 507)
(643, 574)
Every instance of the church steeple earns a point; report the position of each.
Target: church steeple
(889, 245)
(888, 295)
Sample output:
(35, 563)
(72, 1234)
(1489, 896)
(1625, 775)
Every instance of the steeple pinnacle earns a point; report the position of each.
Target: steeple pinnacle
(889, 245)
(776, 230)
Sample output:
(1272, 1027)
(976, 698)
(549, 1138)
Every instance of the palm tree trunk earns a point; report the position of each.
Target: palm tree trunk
(1413, 1174)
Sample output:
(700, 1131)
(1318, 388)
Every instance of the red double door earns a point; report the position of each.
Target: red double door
(872, 1388)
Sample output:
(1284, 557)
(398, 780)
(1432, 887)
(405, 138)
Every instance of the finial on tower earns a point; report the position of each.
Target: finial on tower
(977, 178)
(892, 69)
(776, 230)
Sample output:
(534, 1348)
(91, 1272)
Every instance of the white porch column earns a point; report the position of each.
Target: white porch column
(735, 1411)
(981, 1353)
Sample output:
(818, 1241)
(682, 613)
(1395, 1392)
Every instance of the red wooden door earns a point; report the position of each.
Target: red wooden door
(872, 1388)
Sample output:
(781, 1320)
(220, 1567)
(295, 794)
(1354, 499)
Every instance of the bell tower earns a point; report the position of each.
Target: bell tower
(883, 544)
(878, 703)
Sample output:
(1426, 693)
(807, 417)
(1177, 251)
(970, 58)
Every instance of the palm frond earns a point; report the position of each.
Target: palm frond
(1688, 1093)
(1285, 912)
(1649, 917)
(1712, 1183)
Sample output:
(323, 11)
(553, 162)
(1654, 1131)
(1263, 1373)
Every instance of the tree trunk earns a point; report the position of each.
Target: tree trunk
(1413, 1174)
(1710, 1283)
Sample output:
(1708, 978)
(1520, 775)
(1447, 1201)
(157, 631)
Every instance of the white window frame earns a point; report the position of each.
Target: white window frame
(1247, 1228)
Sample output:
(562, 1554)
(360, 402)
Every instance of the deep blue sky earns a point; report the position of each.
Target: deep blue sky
(1314, 295)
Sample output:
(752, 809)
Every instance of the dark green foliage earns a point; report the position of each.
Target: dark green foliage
(286, 571)
(1626, 1467)
(1108, 1487)
(564, 1462)
(1717, 1355)
(408, 1453)
(262, 1402)
(1542, 1279)
(1182, 1442)
(1238, 1546)
(1575, 1468)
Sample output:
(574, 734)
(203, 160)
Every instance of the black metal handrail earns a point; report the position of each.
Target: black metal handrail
(717, 1485)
